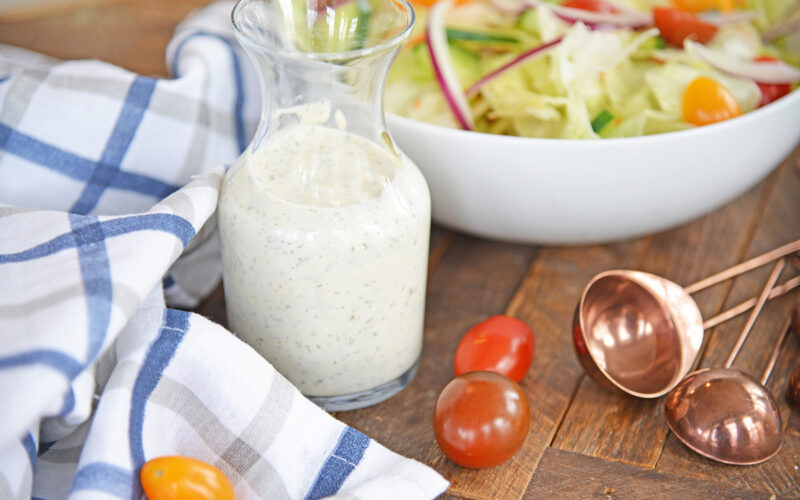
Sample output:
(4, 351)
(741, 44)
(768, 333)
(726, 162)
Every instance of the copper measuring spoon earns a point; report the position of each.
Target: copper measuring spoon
(641, 333)
(725, 414)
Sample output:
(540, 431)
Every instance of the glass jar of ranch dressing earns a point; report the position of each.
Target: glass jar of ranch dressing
(324, 223)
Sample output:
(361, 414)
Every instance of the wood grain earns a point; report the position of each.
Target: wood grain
(780, 475)
(546, 301)
(130, 34)
(566, 475)
(616, 426)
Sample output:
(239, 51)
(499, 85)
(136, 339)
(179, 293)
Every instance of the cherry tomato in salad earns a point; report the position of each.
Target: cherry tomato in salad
(707, 101)
(500, 344)
(592, 5)
(481, 419)
(184, 478)
(676, 26)
(771, 91)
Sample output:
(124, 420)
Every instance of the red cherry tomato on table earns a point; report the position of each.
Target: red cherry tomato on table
(481, 419)
(676, 25)
(771, 91)
(500, 344)
(592, 5)
(707, 101)
(184, 478)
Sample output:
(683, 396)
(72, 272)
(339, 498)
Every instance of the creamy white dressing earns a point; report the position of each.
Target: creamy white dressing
(325, 247)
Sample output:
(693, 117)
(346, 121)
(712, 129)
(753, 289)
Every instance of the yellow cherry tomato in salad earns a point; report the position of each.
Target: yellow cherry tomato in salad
(707, 101)
(184, 478)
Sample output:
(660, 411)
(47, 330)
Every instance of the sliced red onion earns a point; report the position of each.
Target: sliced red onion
(536, 51)
(762, 72)
(723, 18)
(626, 18)
(443, 65)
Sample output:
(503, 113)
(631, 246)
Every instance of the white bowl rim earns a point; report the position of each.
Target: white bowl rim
(509, 140)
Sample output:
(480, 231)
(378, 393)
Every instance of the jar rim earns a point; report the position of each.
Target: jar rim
(385, 45)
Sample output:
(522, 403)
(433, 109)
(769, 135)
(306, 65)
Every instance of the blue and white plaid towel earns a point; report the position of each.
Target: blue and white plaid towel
(97, 225)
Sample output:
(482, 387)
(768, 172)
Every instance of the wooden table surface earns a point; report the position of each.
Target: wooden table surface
(584, 441)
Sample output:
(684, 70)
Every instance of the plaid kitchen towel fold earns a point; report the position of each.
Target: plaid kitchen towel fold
(88, 137)
(107, 192)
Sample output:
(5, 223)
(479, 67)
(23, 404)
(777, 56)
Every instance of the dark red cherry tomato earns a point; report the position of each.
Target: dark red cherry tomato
(676, 26)
(771, 91)
(592, 5)
(481, 419)
(500, 344)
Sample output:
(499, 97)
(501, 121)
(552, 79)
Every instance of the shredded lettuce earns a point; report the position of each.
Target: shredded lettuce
(628, 77)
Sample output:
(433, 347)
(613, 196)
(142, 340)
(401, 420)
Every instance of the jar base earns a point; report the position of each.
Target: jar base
(369, 397)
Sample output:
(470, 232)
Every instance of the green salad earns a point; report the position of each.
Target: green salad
(584, 69)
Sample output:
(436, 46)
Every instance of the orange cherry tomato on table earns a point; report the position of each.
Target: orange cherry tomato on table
(771, 91)
(500, 344)
(676, 25)
(591, 5)
(184, 478)
(706, 101)
(481, 419)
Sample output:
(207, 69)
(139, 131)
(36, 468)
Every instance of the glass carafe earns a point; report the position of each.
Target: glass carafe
(324, 223)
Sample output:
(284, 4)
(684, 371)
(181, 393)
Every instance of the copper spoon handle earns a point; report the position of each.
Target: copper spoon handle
(775, 353)
(745, 266)
(762, 299)
(749, 303)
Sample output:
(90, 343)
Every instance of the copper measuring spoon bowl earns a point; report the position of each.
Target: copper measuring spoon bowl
(725, 414)
(637, 332)
(640, 333)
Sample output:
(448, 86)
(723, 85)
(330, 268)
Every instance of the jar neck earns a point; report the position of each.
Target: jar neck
(317, 55)
(347, 95)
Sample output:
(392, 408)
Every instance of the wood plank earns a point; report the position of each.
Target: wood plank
(131, 34)
(441, 239)
(616, 426)
(780, 475)
(567, 475)
(16, 10)
(546, 300)
(475, 279)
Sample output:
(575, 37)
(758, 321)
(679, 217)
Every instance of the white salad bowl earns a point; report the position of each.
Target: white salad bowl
(565, 191)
